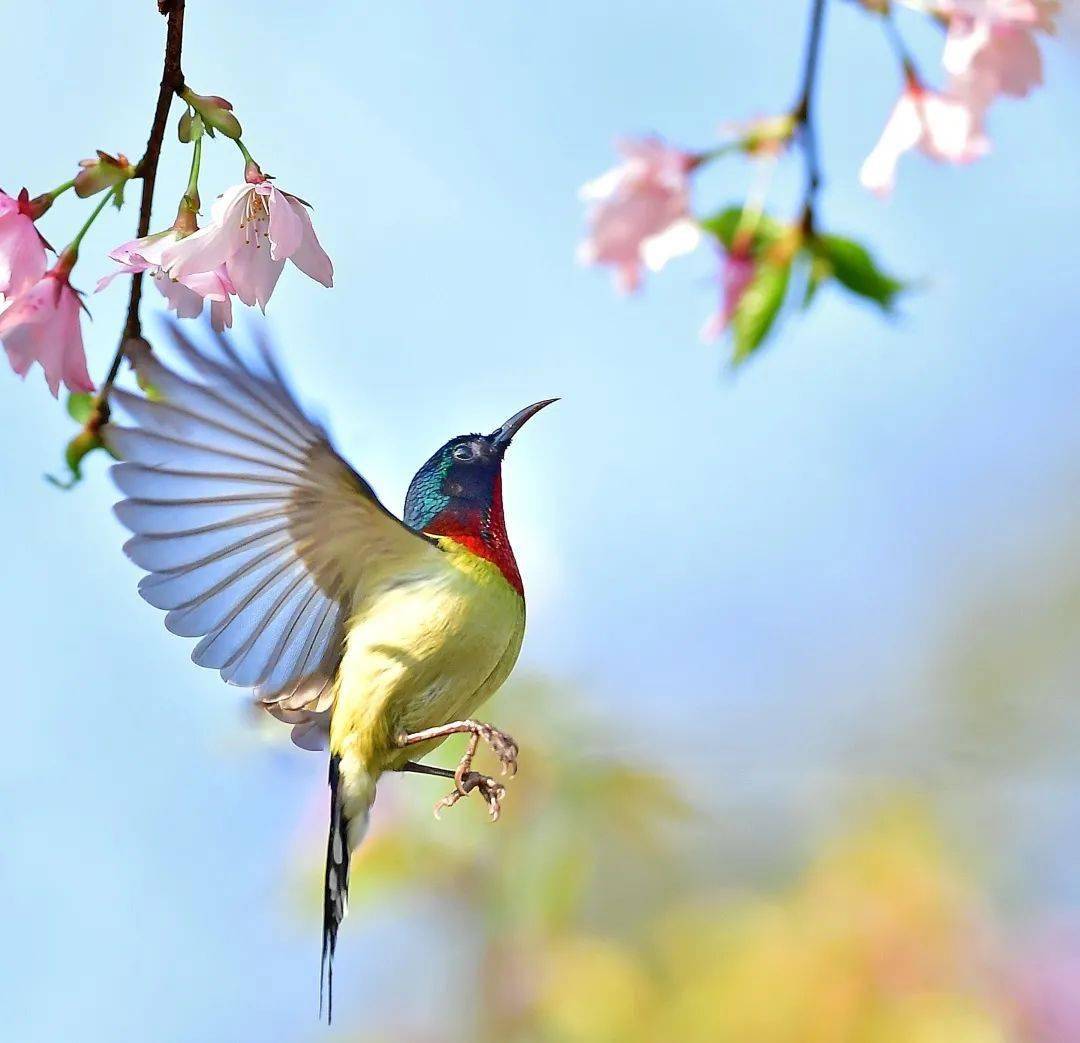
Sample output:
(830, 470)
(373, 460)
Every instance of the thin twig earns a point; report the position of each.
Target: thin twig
(900, 49)
(803, 112)
(172, 79)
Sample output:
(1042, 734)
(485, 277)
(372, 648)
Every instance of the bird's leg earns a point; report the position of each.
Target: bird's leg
(489, 789)
(465, 779)
(501, 744)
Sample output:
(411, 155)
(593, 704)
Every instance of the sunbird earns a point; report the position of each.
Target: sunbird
(373, 636)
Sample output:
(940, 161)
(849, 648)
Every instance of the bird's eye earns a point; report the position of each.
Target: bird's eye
(463, 452)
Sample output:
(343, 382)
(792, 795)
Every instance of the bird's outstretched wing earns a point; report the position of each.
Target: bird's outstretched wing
(254, 533)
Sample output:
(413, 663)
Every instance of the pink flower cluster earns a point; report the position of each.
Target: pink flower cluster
(39, 310)
(254, 229)
(990, 51)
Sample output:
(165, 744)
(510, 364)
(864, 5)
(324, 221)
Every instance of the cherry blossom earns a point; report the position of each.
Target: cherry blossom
(41, 325)
(641, 211)
(945, 128)
(254, 228)
(22, 253)
(736, 274)
(990, 48)
(184, 296)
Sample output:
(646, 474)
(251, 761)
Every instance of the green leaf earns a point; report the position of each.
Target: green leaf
(757, 310)
(818, 271)
(79, 406)
(763, 230)
(854, 268)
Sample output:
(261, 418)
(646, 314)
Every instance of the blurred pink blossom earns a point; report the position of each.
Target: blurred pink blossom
(943, 127)
(640, 212)
(736, 274)
(1035, 14)
(254, 228)
(41, 325)
(185, 296)
(990, 48)
(22, 253)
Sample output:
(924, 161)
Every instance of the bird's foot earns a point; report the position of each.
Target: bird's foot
(501, 745)
(468, 781)
(465, 779)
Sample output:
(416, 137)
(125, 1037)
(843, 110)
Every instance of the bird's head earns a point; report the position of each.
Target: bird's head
(460, 484)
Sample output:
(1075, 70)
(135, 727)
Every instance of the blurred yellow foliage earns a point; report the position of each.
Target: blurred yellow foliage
(593, 924)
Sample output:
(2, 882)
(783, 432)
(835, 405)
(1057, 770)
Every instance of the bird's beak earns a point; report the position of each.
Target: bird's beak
(501, 439)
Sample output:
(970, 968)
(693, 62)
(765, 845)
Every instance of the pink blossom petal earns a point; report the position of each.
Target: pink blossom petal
(140, 254)
(231, 204)
(254, 273)
(106, 279)
(209, 285)
(199, 252)
(181, 299)
(31, 308)
(628, 277)
(73, 373)
(204, 250)
(682, 237)
(22, 255)
(221, 314)
(945, 128)
(635, 203)
(901, 133)
(309, 256)
(43, 325)
(736, 275)
(286, 231)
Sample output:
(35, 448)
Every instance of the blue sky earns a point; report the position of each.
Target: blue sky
(727, 549)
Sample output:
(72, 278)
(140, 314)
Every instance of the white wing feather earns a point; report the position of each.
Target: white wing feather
(254, 533)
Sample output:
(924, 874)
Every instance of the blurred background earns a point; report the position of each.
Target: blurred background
(797, 703)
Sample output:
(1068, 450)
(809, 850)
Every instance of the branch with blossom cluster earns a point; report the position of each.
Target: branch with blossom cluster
(253, 229)
(641, 214)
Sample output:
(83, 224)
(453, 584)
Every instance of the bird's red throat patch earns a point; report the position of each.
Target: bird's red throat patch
(481, 532)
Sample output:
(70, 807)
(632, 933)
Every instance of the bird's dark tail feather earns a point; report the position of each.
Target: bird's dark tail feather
(335, 888)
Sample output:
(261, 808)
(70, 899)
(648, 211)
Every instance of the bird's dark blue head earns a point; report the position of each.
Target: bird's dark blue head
(459, 487)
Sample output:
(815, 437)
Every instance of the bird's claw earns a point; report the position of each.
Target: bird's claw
(503, 746)
(489, 789)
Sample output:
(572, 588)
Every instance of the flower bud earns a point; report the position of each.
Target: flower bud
(101, 173)
(34, 208)
(81, 446)
(253, 174)
(769, 135)
(216, 113)
(184, 128)
(87, 441)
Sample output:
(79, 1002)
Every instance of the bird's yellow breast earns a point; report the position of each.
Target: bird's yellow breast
(421, 650)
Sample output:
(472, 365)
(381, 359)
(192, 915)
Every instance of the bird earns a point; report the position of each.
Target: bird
(375, 637)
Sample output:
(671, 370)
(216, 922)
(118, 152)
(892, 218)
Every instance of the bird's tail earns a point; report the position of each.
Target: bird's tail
(350, 800)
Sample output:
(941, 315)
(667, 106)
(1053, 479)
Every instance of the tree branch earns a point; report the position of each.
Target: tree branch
(172, 79)
(804, 112)
(896, 42)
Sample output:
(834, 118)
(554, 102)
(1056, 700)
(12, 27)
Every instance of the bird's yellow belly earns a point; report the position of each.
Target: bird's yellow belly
(421, 652)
